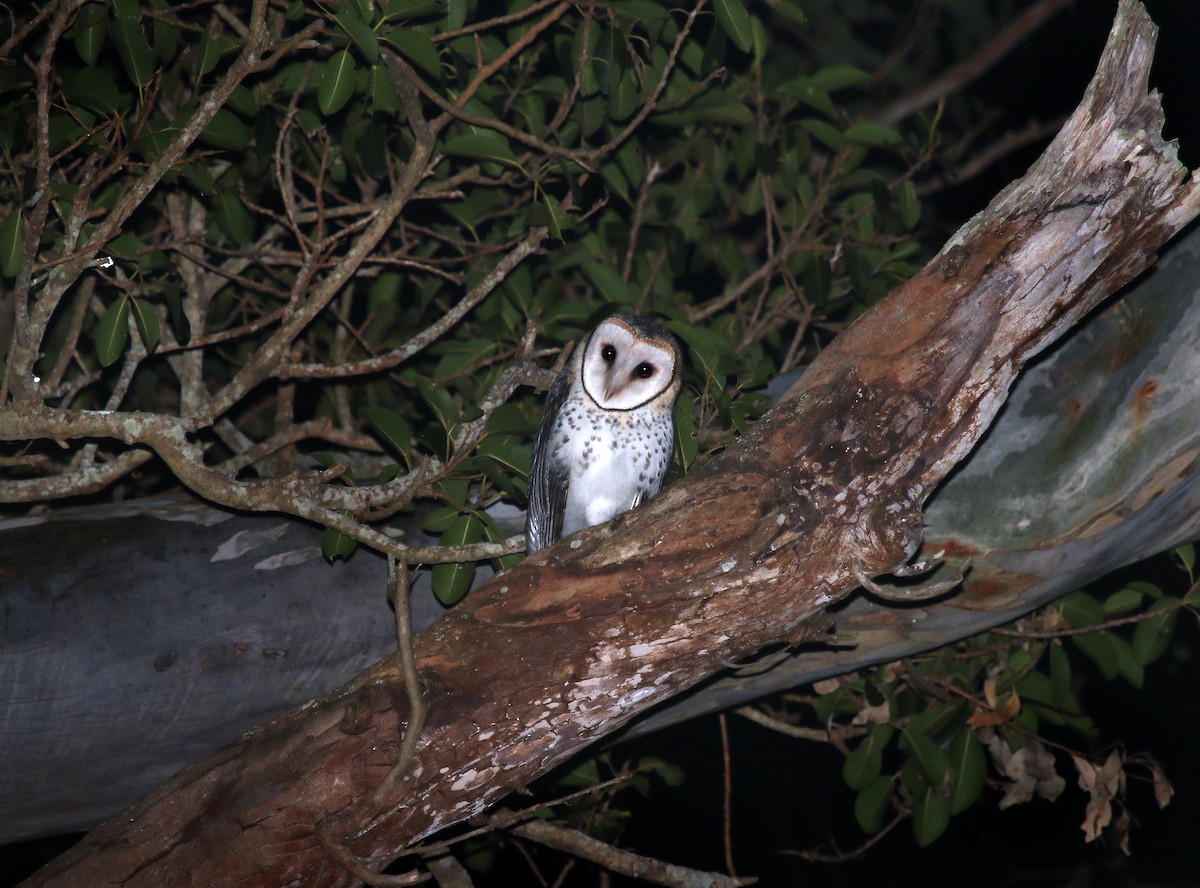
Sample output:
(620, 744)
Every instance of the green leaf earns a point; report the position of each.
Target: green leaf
(137, 58)
(337, 82)
(179, 321)
(506, 451)
(481, 146)
(112, 333)
(1122, 601)
(735, 22)
(1079, 609)
(418, 49)
(126, 9)
(758, 33)
(1100, 648)
(335, 544)
(359, 32)
(384, 96)
(226, 131)
(872, 803)
(908, 204)
(12, 243)
(493, 534)
(147, 324)
(609, 283)
(163, 35)
(930, 757)
(440, 520)
(867, 133)
(824, 131)
(804, 89)
(789, 10)
(1153, 634)
(722, 108)
(835, 77)
(1187, 556)
(91, 27)
(456, 14)
(452, 581)
(242, 101)
(817, 277)
(606, 59)
(625, 98)
(1127, 665)
(968, 764)
(441, 402)
(685, 432)
(1060, 673)
(711, 353)
(865, 762)
(931, 816)
(671, 774)
(93, 88)
(232, 219)
(210, 50)
(391, 427)
(548, 213)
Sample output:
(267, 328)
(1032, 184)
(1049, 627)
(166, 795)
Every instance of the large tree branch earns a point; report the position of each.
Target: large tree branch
(745, 552)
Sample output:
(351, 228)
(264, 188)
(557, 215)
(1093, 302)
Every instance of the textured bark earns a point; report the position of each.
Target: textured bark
(746, 551)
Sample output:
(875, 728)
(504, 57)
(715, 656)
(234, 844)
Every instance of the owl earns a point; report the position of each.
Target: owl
(607, 431)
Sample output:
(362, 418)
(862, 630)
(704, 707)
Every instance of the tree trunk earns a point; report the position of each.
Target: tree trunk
(746, 551)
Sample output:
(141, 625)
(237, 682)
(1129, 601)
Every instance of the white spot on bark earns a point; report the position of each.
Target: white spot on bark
(473, 778)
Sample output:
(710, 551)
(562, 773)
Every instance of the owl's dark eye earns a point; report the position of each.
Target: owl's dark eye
(644, 370)
(608, 353)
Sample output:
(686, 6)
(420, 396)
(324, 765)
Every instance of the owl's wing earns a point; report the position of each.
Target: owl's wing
(548, 477)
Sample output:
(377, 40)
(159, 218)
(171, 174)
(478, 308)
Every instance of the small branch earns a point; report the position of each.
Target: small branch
(91, 480)
(1099, 627)
(960, 75)
(509, 54)
(817, 735)
(525, 247)
(726, 798)
(842, 857)
(1034, 131)
(498, 22)
(418, 709)
(626, 863)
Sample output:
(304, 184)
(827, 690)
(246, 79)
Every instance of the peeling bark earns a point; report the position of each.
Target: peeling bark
(746, 551)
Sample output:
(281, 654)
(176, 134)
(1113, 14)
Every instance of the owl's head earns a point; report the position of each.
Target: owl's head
(628, 362)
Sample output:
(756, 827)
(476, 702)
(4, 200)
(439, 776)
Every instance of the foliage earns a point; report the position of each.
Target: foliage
(925, 729)
(279, 228)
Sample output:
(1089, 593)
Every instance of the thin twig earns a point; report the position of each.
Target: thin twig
(726, 797)
(624, 862)
(965, 72)
(418, 709)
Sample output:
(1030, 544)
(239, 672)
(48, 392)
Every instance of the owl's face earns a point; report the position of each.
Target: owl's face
(628, 362)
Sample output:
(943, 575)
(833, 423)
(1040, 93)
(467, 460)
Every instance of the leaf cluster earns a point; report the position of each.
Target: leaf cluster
(928, 727)
(296, 228)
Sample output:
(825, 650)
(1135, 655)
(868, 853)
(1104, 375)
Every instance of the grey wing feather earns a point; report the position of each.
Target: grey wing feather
(548, 478)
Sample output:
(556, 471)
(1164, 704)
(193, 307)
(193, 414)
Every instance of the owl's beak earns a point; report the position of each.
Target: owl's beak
(613, 385)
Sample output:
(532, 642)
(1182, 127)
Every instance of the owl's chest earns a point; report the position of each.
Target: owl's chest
(614, 460)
